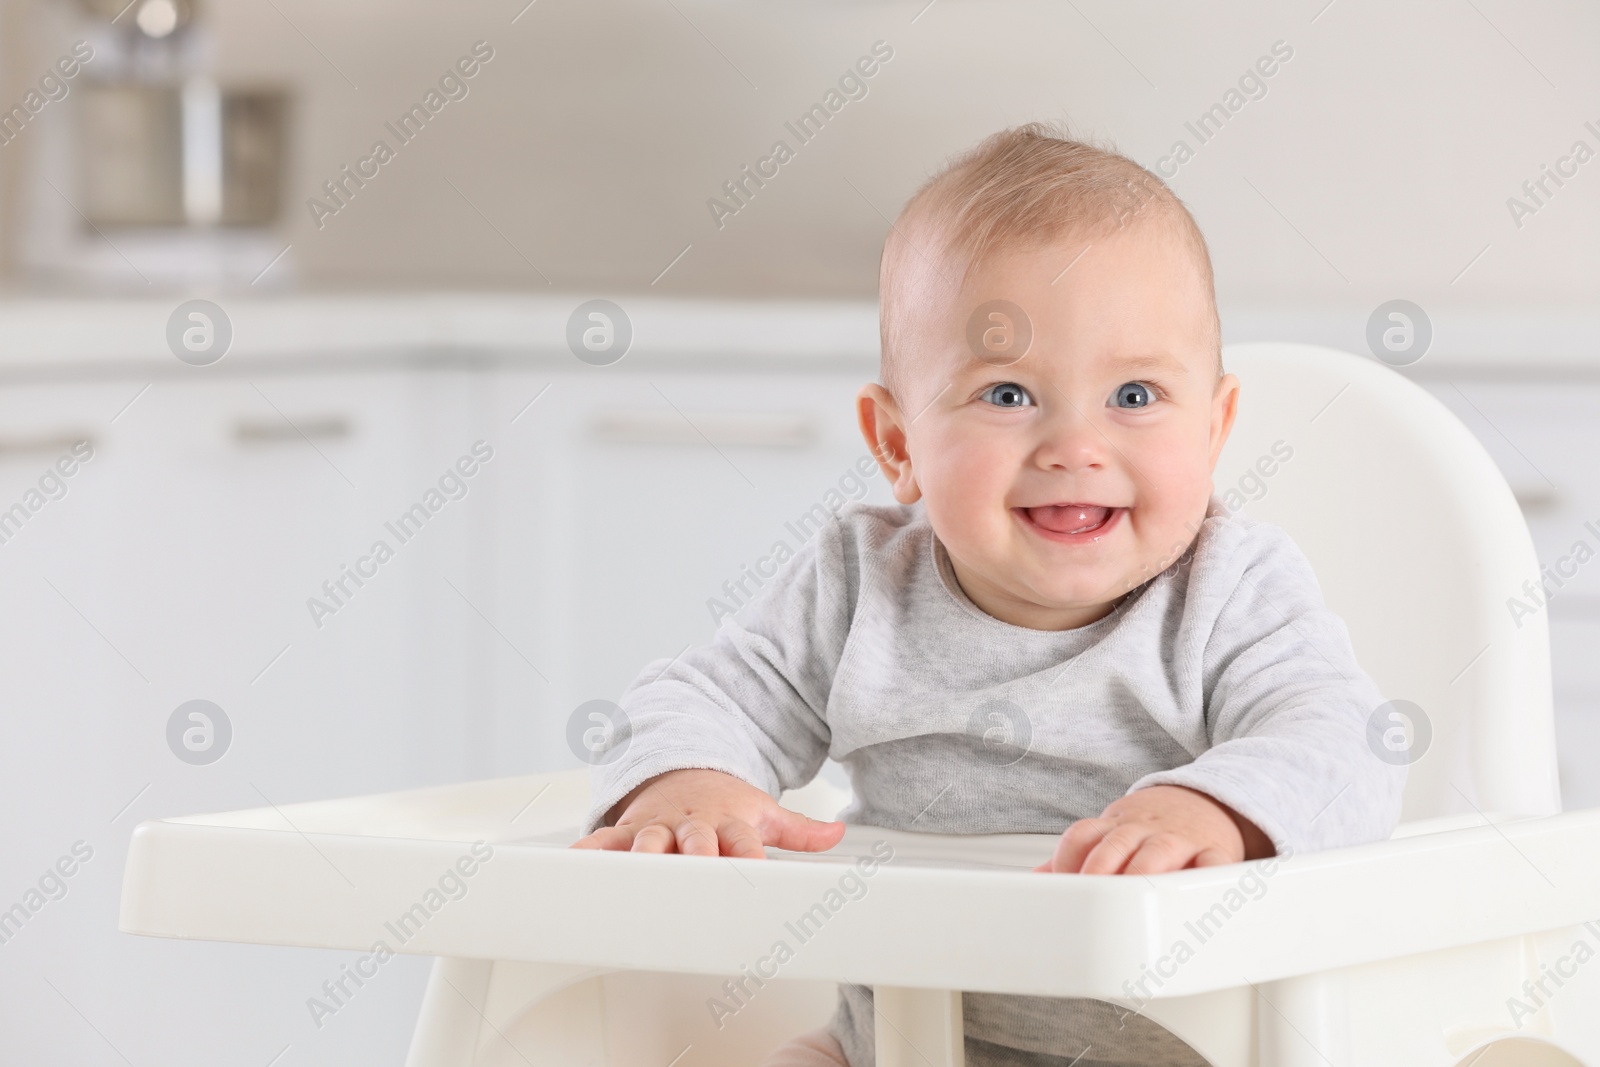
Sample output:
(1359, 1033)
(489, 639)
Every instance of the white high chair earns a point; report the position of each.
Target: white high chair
(1403, 953)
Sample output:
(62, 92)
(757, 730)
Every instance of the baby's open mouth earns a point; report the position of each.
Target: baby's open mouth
(1069, 518)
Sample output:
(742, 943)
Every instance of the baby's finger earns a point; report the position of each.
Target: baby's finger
(696, 838)
(656, 837)
(612, 838)
(1111, 855)
(793, 832)
(1160, 853)
(740, 839)
(1076, 844)
(1212, 857)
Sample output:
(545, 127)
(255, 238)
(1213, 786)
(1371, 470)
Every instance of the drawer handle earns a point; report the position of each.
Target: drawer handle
(21, 447)
(695, 428)
(1536, 499)
(280, 431)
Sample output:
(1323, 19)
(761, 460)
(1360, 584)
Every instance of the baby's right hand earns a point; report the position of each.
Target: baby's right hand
(702, 812)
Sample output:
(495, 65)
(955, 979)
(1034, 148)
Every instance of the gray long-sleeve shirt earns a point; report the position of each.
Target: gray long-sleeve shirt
(1225, 673)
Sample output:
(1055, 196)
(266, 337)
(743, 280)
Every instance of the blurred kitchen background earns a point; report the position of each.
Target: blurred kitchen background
(369, 318)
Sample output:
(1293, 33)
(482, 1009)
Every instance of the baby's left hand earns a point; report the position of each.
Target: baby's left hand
(1160, 828)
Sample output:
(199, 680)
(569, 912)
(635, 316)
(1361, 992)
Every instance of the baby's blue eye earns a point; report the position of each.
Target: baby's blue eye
(1133, 395)
(1007, 395)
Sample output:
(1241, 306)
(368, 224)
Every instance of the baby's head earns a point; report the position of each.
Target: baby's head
(1052, 383)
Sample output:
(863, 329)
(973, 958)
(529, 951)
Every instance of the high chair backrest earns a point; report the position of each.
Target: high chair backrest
(1418, 544)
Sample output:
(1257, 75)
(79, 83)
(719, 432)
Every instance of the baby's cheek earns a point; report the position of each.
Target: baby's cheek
(950, 495)
(1175, 486)
(964, 479)
(1169, 514)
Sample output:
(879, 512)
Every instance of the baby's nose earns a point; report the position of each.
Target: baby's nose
(1073, 443)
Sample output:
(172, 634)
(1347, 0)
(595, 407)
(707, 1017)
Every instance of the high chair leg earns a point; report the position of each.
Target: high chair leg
(1303, 1021)
(451, 1015)
(918, 1027)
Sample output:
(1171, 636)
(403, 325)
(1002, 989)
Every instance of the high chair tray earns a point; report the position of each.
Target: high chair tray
(945, 912)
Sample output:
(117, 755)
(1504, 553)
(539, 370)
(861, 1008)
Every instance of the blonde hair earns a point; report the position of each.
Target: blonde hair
(1026, 187)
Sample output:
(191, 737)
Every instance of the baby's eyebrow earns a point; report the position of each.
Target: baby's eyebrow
(1159, 362)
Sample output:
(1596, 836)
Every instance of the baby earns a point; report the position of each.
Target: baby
(1057, 629)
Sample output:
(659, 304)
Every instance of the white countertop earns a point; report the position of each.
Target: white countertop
(51, 336)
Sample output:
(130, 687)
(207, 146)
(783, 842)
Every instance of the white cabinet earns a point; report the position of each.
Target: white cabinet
(628, 498)
(178, 566)
(592, 530)
(1544, 435)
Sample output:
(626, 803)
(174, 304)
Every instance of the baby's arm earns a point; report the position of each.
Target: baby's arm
(1289, 767)
(717, 733)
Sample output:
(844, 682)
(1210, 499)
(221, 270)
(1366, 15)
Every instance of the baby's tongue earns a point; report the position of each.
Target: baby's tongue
(1069, 518)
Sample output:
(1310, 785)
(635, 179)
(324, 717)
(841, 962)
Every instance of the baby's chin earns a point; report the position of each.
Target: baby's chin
(1074, 596)
(1053, 585)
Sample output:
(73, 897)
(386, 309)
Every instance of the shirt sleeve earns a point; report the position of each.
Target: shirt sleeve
(1286, 704)
(752, 702)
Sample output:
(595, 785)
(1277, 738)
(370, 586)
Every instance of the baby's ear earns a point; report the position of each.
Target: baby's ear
(883, 429)
(1224, 406)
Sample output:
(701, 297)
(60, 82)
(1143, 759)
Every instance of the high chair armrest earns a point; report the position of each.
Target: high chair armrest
(941, 911)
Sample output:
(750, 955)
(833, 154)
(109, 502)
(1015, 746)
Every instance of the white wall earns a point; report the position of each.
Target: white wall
(1378, 165)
